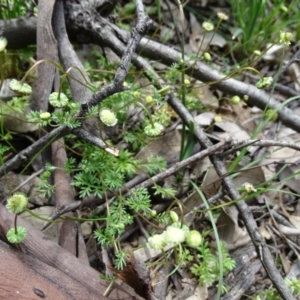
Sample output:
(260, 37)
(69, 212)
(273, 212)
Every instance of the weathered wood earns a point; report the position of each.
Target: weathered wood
(40, 247)
(25, 277)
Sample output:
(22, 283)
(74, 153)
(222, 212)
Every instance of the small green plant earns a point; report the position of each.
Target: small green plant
(272, 294)
(16, 204)
(205, 264)
(259, 22)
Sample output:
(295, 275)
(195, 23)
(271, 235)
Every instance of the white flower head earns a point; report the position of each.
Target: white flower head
(174, 235)
(285, 38)
(157, 241)
(208, 26)
(249, 187)
(222, 16)
(108, 117)
(3, 43)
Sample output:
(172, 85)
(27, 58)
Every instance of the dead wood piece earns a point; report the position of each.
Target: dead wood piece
(25, 277)
(78, 77)
(243, 276)
(70, 237)
(43, 249)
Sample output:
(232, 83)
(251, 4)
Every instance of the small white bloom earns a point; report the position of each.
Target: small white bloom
(45, 115)
(108, 117)
(157, 241)
(249, 187)
(218, 118)
(222, 16)
(174, 235)
(285, 38)
(208, 26)
(3, 43)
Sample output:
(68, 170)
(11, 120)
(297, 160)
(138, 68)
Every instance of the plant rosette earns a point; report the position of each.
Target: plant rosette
(20, 88)
(16, 235)
(58, 100)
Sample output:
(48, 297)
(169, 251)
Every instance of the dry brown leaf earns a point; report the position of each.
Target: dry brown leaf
(200, 293)
(166, 146)
(228, 228)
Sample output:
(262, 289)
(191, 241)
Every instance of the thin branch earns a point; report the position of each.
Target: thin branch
(257, 239)
(31, 151)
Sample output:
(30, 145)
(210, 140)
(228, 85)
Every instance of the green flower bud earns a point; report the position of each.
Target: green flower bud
(17, 203)
(45, 115)
(257, 53)
(136, 95)
(271, 115)
(153, 213)
(164, 90)
(246, 97)
(174, 216)
(186, 82)
(207, 56)
(108, 117)
(235, 100)
(264, 82)
(284, 8)
(149, 99)
(193, 239)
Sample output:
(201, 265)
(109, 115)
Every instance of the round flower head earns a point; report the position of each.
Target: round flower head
(149, 99)
(3, 43)
(222, 16)
(264, 82)
(207, 56)
(154, 130)
(285, 38)
(194, 239)
(45, 115)
(58, 99)
(108, 117)
(208, 26)
(17, 203)
(218, 118)
(271, 115)
(174, 235)
(249, 187)
(235, 100)
(157, 241)
(136, 95)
